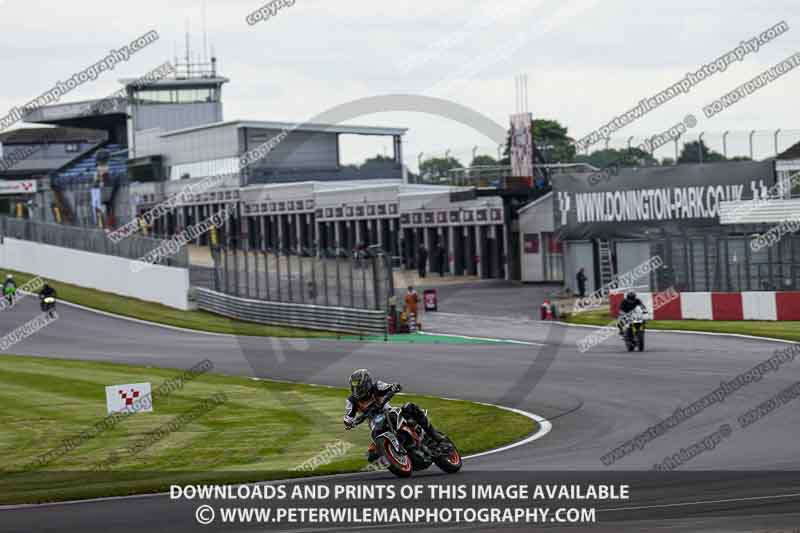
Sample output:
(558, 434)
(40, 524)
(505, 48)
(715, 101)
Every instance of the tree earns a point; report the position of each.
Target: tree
(551, 141)
(633, 157)
(691, 153)
(378, 158)
(484, 161)
(438, 166)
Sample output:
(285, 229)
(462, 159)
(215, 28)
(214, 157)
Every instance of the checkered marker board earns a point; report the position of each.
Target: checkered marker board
(133, 397)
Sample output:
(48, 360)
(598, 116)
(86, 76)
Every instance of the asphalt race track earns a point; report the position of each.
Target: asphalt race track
(595, 400)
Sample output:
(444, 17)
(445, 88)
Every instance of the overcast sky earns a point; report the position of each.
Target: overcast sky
(586, 60)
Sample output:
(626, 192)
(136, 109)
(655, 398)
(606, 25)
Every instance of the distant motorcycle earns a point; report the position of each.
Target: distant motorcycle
(404, 444)
(48, 305)
(634, 330)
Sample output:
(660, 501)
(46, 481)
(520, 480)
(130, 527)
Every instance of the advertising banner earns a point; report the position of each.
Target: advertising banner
(129, 398)
(521, 145)
(18, 187)
(634, 202)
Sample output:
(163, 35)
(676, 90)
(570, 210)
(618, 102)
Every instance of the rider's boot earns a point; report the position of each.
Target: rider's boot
(434, 434)
(413, 411)
(372, 453)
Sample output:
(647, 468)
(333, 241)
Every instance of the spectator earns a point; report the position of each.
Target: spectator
(442, 261)
(422, 261)
(581, 279)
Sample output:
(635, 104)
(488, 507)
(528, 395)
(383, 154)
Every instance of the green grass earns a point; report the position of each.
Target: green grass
(786, 330)
(264, 429)
(153, 312)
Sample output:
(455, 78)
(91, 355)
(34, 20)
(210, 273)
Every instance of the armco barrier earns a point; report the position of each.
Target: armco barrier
(754, 305)
(339, 319)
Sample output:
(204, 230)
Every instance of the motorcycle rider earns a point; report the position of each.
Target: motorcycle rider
(9, 288)
(364, 391)
(629, 304)
(47, 292)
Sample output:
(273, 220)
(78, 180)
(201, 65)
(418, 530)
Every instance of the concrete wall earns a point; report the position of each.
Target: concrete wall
(165, 285)
(536, 218)
(631, 254)
(300, 150)
(759, 305)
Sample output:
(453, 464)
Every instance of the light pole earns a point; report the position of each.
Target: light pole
(777, 132)
(751, 143)
(700, 147)
(725, 143)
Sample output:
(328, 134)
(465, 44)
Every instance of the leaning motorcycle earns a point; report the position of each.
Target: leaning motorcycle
(634, 330)
(403, 444)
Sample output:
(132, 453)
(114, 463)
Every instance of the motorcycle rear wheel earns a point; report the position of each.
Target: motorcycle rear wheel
(452, 462)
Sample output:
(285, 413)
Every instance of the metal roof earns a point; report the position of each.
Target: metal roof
(51, 135)
(276, 125)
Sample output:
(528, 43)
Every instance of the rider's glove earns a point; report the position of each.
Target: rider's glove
(396, 388)
(349, 422)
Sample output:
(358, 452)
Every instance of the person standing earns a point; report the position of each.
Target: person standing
(411, 301)
(441, 255)
(422, 261)
(581, 279)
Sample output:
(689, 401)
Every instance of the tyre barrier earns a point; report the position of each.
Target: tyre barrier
(318, 317)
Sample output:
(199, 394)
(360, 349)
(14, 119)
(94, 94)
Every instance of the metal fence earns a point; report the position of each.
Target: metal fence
(87, 240)
(334, 319)
(726, 264)
(323, 278)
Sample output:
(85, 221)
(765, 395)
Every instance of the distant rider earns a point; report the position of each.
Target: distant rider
(47, 292)
(364, 391)
(628, 305)
(9, 288)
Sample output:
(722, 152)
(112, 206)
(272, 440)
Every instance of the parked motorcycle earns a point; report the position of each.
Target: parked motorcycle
(403, 444)
(634, 330)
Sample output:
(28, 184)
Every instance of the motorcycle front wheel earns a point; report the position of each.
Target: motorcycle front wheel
(399, 463)
(640, 339)
(450, 462)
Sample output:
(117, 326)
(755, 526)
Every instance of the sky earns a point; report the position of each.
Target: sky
(586, 61)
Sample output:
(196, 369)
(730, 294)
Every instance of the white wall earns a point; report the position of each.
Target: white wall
(164, 285)
(537, 218)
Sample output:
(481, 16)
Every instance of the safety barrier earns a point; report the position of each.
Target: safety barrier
(339, 319)
(755, 305)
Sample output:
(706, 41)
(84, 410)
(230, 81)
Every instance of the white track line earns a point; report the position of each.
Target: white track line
(703, 502)
(680, 331)
(147, 322)
(488, 339)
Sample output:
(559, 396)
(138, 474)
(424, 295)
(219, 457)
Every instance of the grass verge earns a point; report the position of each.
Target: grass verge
(787, 330)
(153, 312)
(261, 431)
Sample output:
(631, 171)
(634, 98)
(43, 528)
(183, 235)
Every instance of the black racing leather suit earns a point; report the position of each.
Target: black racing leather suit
(380, 390)
(626, 307)
(47, 291)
